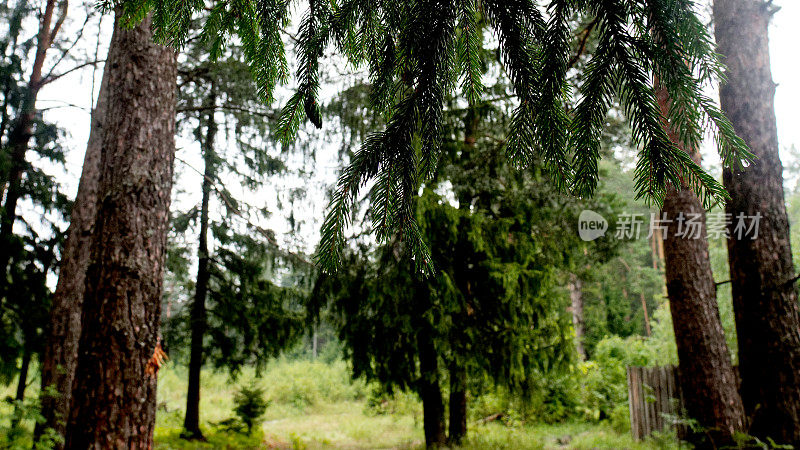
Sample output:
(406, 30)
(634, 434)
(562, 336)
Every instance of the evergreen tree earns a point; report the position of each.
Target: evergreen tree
(20, 100)
(236, 315)
(492, 308)
(64, 325)
(32, 249)
(706, 371)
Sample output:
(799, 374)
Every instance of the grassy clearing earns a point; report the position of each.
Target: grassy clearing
(316, 405)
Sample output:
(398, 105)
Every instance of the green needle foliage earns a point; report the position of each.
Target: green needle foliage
(417, 50)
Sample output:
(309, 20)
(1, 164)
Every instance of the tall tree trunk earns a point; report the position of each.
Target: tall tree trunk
(576, 297)
(646, 314)
(114, 390)
(764, 298)
(20, 135)
(21, 385)
(430, 392)
(64, 328)
(457, 428)
(191, 423)
(707, 379)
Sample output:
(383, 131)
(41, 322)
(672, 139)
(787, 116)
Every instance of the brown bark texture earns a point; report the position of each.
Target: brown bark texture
(764, 298)
(430, 392)
(114, 390)
(64, 328)
(706, 373)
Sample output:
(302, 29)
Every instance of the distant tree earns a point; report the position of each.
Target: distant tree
(20, 121)
(492, 308)
(763, 280)
(31, 249)
(236, 315)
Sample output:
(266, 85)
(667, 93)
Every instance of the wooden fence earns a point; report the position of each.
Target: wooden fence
(654, 400)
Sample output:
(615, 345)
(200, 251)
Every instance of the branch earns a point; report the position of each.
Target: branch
(791, 281)
(62, 15)
(50, 78)
(68, 50)
(269, 115)
(229, 203)
(582, 45)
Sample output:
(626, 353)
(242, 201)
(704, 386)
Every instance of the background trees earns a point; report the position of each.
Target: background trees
(468, 182)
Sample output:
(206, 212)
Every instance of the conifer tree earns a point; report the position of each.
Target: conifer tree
(491, 309)
(707, 379)
(237, 260)
(64, 327)
(23, 127)
(33, 248)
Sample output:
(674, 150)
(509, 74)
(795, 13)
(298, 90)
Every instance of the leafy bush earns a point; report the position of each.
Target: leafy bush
(250, 405)
(307, 383)
(603, 381)
(381, 402)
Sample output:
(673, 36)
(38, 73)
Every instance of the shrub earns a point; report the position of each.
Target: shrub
(250, 405)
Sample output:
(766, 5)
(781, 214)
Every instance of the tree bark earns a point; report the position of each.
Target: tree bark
(707, 379)
(646, 314)
(457, 428)
(20, 136)
(113, 398)
(430, 391)
(764, 300)
(191, 423)
(576, 297)
(64, 328)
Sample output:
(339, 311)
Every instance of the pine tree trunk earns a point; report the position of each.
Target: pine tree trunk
(764, 300)
(19, 138)
(64, 327)
(21, 385)
(113, 397)
(191, 422)
(430, 392)
(707, 379)
(457, 428)
(576, 298)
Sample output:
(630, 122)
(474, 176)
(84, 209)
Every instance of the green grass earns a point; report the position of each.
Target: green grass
(316, 405)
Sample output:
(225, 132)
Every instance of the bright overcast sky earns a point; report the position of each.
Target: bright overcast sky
(786, 71)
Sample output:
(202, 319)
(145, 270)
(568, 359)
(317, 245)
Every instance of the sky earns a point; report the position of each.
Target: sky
(786, 71)
(71, 98)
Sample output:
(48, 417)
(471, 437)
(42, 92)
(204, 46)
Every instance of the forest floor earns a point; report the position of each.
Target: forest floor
(316, 405)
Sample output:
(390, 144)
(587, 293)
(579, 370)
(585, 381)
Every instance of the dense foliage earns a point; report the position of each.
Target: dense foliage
(417, 52)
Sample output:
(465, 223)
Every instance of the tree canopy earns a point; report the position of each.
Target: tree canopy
(418, 51)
